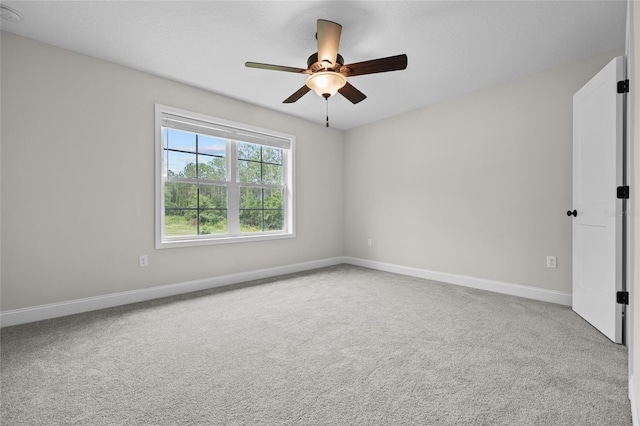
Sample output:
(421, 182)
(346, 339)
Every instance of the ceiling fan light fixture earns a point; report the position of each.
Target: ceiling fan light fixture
(326, 82)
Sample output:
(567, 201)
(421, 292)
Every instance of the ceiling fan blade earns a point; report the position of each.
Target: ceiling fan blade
(328, 41)
(392, 63)
(300, 93)
(275, 67)
(351, 93)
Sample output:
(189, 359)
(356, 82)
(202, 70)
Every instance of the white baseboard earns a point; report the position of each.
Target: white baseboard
(466, 281)
(54, 310)
(634, 402)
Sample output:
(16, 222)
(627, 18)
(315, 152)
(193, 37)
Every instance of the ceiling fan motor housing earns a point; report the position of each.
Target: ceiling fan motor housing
(314, 66)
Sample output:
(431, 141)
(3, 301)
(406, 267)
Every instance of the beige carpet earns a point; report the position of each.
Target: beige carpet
(337, 346)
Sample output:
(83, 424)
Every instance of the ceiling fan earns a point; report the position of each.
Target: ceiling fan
(326, 69)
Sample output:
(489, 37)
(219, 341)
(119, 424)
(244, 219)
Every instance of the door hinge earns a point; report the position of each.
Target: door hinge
(622, 192)
(622, 297)
(623, 86)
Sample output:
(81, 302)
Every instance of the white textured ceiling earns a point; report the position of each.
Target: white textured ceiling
(454, 47)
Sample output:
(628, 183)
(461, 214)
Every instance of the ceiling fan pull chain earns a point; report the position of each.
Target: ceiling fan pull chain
(326, 98)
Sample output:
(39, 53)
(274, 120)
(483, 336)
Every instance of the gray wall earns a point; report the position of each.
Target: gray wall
(78, 180)
(475, 186)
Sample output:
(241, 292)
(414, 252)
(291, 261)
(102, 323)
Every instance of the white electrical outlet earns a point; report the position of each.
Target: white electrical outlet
(369, 242)
(143, 261)
(552, 262)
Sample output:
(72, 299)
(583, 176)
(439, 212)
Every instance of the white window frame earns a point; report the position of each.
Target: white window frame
(243, 133)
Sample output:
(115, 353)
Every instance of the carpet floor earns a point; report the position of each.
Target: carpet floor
(336, 346)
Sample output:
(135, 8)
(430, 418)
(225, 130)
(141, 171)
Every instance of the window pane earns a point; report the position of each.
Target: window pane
(250, 220)
(274, 211)
(213, 196)
(213, 221)
(251, 198)
(180, 222)
(273, 220)
(272, 155)
(248, 151)
(250, 209)
(273, 198)
(213, 209)
(180, 164)
(212, 146)
(272, 174)
(212, 168)
(249, 172)
(180, 195)
(180, 141)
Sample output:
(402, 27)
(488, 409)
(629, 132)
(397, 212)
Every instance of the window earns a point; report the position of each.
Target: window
(218, 181)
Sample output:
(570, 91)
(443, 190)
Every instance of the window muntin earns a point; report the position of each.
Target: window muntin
(220, 181)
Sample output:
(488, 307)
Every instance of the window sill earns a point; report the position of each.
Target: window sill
(221, 240)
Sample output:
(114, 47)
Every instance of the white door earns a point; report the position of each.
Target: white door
(597, 224)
